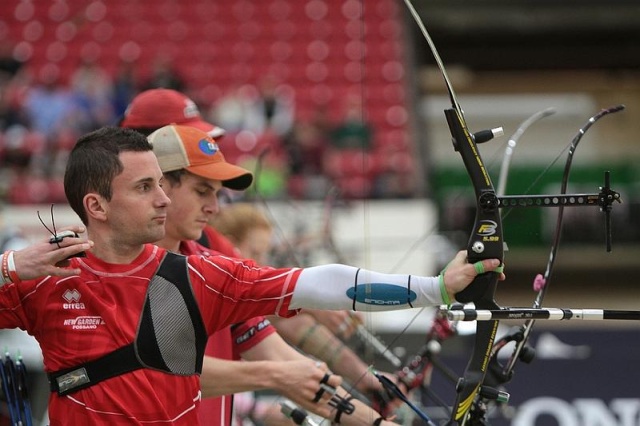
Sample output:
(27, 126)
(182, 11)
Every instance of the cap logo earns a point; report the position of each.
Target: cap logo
(191, 109)
(208, 147)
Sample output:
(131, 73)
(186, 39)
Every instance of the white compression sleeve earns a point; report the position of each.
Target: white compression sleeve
(336, 286)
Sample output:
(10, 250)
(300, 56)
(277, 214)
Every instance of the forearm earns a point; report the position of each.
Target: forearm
(224, 377)
(341, 323)
(274, 347)
(315, 339)
(340, 287)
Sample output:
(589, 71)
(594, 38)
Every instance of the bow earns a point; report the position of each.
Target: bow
(13, 383)
(499, 374)
(485, 242)
(604, 199)
(416, 372)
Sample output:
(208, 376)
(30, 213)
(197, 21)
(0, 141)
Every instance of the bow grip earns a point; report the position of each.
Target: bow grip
(485, 242)
(480, 290)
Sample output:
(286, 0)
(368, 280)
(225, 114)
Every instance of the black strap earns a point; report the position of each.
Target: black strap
(175, 270)
(144, 352)
(118, 362)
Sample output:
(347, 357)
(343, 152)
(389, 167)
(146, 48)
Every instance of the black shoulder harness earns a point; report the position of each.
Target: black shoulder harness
(171, 336)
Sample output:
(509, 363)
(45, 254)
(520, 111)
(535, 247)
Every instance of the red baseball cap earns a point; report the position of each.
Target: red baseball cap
(156, 108)
(185, 147)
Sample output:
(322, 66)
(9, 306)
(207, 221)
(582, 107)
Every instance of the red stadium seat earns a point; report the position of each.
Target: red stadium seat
(323, 49)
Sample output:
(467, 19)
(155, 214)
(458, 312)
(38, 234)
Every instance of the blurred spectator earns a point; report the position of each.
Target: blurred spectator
(164, 75)
(352, 132)
(271, 109)
(306, 146)
(19, 145)
(9, 65)
(350, 161)
(13, 85)
(125, 87)
(92, 89)
(49, 103)
(268, 162)
(13, 94)
(230, 110)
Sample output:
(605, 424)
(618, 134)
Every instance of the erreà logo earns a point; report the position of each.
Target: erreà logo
(71, 295)
(208, 146)
(73, 299)
(486, 228)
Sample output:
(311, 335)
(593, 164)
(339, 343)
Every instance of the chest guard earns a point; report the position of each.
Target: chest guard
(171, 335)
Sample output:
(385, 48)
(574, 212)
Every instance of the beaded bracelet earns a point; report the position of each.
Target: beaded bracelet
(5, 267)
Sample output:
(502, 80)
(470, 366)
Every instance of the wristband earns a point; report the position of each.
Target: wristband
(335, 354)
(11, 267)
(443, 289)
(308, 333)
(3, 281)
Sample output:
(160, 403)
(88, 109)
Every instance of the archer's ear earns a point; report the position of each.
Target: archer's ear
(95, 206)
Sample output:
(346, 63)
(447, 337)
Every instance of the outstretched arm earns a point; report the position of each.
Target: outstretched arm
(225, 377)
(274, 347)
(364, 290)
(315, 339)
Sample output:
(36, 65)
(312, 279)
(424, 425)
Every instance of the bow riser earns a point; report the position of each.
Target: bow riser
(485, 242)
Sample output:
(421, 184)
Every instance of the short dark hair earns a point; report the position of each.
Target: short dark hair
(94, 162)
(173, 177)
(144, 130)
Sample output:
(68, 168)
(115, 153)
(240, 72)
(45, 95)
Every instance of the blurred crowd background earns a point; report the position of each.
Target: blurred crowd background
(335, 96)
(340, 101)
(316, 91)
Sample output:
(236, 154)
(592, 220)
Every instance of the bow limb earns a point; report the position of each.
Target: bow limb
(511, 146)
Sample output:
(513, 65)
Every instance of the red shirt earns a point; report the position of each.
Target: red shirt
(228, 343)
(81, 318)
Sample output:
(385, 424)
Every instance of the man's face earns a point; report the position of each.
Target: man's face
(137, 210)
(193, 202)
